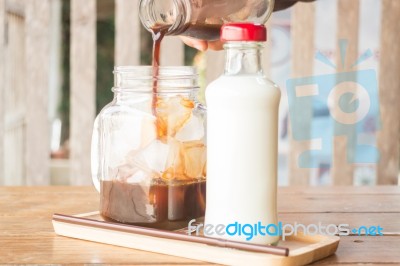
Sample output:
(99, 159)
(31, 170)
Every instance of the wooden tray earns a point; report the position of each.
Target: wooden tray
(90, 226)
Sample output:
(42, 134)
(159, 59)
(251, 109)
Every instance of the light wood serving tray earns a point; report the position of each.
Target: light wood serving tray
(90, 226)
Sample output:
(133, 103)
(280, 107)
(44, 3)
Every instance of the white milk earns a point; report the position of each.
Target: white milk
(242, 128)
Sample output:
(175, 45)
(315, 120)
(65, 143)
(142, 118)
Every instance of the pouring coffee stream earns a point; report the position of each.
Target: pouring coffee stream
(157, 35)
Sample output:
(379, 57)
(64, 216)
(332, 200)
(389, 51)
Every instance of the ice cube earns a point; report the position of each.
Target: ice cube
(186, 160)
(131, 171)
(194, 158)
(175, 164)
(140, 177)
(123, 171)
(137, 177)
(192, 130)
(149, 131)
(129, 132)
(152, 158)
(172, 113)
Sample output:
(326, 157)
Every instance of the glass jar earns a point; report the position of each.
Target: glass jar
(201, 19)
(148, 150)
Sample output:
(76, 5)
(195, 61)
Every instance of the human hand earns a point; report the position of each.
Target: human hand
(283, 4)
(202, 45)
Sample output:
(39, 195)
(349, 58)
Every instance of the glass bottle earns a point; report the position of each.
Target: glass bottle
(201, 19)
(242, 138)
(149, 164)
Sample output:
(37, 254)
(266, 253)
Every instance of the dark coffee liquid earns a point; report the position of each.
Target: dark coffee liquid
(157, 35)
(158, 204)
(208, 32)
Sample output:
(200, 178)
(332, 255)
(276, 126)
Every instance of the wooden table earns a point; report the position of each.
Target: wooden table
(26, 233)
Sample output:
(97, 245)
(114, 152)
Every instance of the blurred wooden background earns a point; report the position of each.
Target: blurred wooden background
(29, 69)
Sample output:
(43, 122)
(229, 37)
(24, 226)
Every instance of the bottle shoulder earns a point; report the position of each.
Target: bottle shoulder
(246, 84)
(255, 80)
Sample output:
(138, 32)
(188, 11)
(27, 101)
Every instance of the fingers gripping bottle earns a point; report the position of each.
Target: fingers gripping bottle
(242, 140)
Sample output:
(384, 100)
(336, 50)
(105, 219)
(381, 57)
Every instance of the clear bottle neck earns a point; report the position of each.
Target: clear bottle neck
(243, 58)
(169, 14)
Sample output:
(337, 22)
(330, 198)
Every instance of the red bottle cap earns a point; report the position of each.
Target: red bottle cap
(243, 32)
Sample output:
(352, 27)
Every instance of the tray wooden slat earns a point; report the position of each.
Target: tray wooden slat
(303, 249)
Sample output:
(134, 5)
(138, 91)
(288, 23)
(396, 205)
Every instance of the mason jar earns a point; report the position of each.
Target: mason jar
(149, 148)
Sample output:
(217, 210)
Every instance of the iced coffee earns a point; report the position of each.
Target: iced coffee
(162, 181)
(152, 171)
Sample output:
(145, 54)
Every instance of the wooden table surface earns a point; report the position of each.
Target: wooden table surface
(26, 233)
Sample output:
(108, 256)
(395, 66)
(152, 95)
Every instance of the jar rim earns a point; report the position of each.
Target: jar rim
(164, 72)
(141, 78)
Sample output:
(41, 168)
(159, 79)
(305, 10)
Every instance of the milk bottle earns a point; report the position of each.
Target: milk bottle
(242, 127)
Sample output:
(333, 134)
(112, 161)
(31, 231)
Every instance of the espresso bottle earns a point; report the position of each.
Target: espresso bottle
(201, 19)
